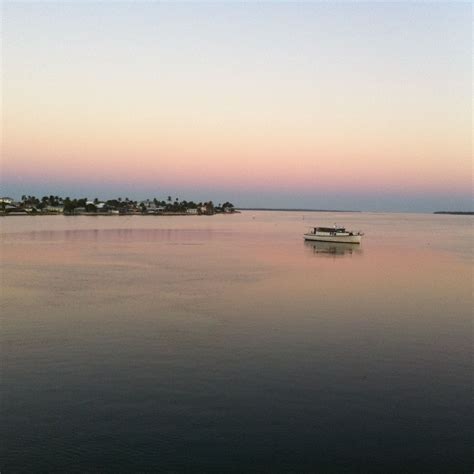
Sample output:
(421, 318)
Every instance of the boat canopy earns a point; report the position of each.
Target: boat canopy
(329, 229)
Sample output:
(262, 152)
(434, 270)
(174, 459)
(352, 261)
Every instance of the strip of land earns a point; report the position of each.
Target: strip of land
(56, 205)
(292, 209)
(455, 213)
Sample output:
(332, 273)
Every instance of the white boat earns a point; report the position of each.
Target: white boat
(333, 234)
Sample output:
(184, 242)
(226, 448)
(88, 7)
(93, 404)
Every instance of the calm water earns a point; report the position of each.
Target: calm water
(227, 344)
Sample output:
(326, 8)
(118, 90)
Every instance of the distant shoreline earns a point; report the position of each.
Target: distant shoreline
(290, 210)
(47, 205)
(455, 213)
(106, 214)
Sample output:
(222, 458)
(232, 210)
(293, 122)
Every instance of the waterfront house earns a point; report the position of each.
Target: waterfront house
(12, 210)
(54, 209)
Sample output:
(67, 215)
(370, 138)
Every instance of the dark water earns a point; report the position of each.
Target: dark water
(226, 344)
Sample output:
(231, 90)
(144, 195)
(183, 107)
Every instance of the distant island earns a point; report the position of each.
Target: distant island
(291, 210)
(455, 213)
(54, 205)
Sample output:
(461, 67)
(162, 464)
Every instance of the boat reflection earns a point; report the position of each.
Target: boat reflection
(333, 249)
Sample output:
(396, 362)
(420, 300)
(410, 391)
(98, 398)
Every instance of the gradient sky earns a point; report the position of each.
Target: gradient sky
(319, 105)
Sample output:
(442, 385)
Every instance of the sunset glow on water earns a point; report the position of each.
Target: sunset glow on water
(228, 343)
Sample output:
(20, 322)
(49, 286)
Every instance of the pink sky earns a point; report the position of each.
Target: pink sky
(282, 99)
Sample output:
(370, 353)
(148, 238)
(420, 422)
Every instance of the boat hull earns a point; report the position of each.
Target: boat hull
(343, 239)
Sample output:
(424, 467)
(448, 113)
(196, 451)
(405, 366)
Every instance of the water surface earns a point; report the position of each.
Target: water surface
(227, 344)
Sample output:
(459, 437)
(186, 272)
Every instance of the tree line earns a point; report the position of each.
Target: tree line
(70, 205)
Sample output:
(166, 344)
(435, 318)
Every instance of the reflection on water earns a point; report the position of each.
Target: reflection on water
(221, 345)
(333, 249)
(117, 235)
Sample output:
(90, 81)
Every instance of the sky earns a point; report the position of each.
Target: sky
(351, 105)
